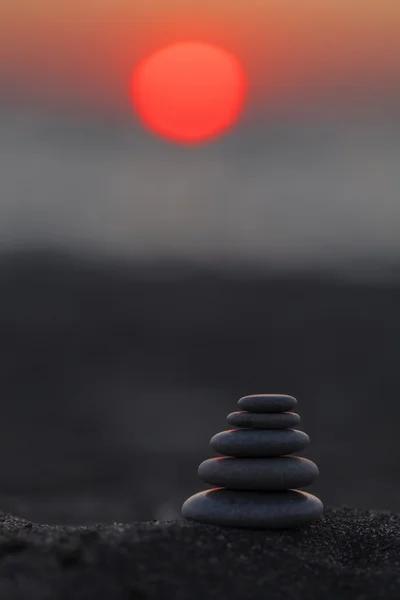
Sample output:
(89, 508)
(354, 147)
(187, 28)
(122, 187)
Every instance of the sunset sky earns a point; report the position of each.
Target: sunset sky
(83, 52)
(309, 173)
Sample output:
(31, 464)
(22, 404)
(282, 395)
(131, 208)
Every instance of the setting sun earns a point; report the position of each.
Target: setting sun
(189, 92)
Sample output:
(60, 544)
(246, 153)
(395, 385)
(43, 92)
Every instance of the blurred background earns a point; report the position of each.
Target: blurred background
(147, 286)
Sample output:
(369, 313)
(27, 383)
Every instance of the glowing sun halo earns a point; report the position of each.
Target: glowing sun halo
(189, 92)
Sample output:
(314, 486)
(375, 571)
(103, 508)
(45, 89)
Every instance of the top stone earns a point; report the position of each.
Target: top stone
(267, 403)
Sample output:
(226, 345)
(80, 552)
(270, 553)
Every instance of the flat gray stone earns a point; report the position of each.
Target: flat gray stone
(259, 443)
(254, 510)
(264, 474)
(243, 418)
(267, 403)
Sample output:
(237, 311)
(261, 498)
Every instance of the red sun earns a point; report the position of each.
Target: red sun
(189, 92)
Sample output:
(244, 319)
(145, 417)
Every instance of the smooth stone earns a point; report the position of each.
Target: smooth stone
(267, 403)
(259, 443)
(254, 510)
(273, 474)
(243, 418)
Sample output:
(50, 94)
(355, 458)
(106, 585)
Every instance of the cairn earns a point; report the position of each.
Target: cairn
(256, 477)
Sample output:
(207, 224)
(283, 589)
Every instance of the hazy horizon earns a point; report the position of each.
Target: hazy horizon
(304, 190)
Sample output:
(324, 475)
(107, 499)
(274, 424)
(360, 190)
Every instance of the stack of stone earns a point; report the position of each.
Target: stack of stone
(256, 477)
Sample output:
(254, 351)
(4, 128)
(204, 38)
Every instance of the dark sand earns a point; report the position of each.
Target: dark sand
(346, 554)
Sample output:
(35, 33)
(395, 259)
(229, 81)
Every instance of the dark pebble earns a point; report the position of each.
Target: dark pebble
(259, 443)
(243, 418)
(258, 510)
(267, 403)
(272, 474)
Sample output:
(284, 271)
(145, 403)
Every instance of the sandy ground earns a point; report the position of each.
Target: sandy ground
(347, 554)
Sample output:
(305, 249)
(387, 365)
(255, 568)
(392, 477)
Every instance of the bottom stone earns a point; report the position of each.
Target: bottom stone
(251, 509)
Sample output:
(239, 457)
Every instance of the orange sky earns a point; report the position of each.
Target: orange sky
(85, 50)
